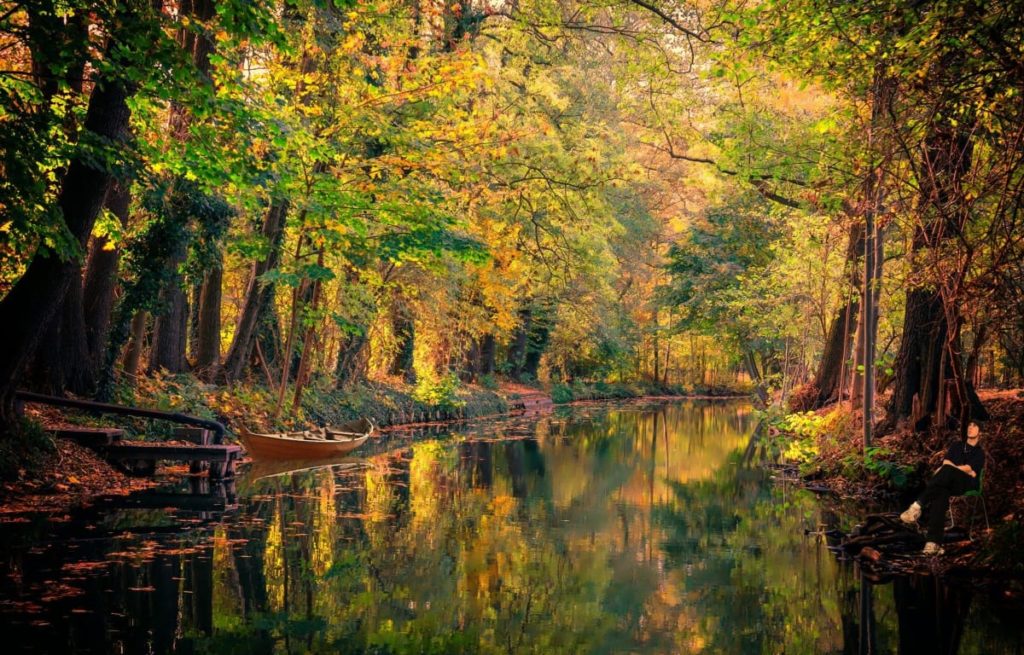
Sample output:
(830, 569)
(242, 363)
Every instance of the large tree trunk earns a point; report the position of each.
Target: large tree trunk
(208, 333)
(170, 333)
(63, 361)
(917, 365)
(133, 353)
(836, 354)
(101, 279)
(170, 329)
(34, 299)
(352, 360)
(488, 348)
(920, 370)
(839, 342)
(258, 296)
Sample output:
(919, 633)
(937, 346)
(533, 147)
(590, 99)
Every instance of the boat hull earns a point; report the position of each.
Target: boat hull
(270, 447)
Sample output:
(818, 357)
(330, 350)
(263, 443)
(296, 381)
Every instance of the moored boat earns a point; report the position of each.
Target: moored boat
(311, 444)
(349, 429)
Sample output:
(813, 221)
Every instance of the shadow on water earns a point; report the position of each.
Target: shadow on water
(640, 529)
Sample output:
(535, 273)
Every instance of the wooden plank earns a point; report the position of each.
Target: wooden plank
(91, 437)
(200, 436)
(146, 450)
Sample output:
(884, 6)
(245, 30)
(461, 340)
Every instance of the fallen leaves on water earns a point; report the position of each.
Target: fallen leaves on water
(60, 591)
(83, 567)
(21, 606)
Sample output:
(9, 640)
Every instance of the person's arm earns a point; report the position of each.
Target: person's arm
(950, 456)
(977, 461)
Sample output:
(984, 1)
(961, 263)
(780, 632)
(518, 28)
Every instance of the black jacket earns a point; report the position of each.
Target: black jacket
(961, 452)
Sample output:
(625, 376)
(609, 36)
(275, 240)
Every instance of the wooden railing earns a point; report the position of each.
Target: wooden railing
(217, 428)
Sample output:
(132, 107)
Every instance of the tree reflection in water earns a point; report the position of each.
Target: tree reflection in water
(600, 531)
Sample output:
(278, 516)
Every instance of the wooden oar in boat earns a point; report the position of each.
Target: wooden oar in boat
(302, 445)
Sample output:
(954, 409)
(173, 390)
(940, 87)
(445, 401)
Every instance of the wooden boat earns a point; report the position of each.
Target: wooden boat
(312, 444)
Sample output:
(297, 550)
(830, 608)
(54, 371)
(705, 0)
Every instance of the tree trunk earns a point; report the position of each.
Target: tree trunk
(836, 353)
(468, 370)
(918, 360)
(193, 317)
(352, 360)
(71, 353)
(170, 330)
(208, 334)
(133, 353)
(831, 370)
(488, 348)
(34, 299)
(918, 370)
(62, 361)
(755, 375)
(258, 296)
(308, 340)
(101, 279)
(520, 341)
(538, 343)
(973, 369)
(405, 331)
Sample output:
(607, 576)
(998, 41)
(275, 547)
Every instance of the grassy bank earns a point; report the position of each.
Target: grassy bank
(386, 404)
(254, 406)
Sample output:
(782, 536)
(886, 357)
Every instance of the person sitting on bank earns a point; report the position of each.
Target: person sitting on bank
(958, 474)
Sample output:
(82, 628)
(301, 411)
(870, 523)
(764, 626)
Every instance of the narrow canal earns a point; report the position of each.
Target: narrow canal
(628, 529)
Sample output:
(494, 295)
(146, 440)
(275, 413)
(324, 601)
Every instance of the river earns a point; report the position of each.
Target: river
(597, 529)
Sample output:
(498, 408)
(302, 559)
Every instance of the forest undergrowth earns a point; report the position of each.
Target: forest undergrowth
(826, 446)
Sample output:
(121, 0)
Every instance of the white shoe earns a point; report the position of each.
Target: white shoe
(912, 514)
(932, 548)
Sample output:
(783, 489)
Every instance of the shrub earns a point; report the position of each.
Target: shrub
(561, 393)
(443, 393)
(489, 382)
(24, 450)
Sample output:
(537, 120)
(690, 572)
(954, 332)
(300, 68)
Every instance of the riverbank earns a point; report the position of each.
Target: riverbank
(827, 448)
(64, 474)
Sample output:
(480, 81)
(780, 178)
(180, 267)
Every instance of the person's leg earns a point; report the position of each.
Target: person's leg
(937, 508)
(943, 482)
(953, 484)
(940, 483)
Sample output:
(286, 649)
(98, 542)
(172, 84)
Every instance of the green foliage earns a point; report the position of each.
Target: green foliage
(875, 461)
(561, 394)
(489, 382)
(24, 450)
(440, 393)
(804, 430)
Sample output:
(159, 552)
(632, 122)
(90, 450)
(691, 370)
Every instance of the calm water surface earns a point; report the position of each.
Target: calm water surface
(601, 530)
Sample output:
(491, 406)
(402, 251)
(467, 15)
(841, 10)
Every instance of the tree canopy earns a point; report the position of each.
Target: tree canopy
(799, 195)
